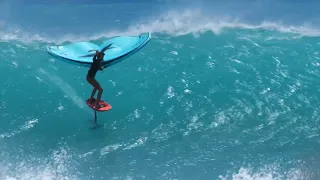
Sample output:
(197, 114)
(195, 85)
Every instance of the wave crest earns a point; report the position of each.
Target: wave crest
(175, 23)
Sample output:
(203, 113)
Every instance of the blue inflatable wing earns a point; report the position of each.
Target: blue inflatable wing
(115, 49)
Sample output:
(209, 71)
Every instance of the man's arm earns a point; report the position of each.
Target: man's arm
(94, 57)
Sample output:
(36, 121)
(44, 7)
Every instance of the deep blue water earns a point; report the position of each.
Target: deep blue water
(224, 90)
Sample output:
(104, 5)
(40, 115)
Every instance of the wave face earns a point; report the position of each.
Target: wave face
(222, 91)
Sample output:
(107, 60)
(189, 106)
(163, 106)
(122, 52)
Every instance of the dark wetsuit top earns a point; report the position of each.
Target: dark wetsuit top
(95, 66)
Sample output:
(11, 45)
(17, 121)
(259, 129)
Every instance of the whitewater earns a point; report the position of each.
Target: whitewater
(223, 90)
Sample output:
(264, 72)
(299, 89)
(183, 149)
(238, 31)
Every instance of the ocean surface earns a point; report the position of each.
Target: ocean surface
(224, 90)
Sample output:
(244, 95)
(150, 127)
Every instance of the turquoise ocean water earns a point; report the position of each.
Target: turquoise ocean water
(224, 90)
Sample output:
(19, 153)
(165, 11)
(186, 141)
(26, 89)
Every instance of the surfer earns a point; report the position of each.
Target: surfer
(95, 66)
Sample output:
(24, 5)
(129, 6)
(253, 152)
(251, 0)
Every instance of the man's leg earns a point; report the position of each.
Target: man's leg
(99, 95)
(95, 87)
(92, 94)
(94, 90)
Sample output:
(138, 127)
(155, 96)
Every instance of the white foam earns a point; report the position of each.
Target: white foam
(266, 173)
(137, 143)
(172, 22)
(58, 165)
(170, 92)
(27, 125)
(110, 148)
